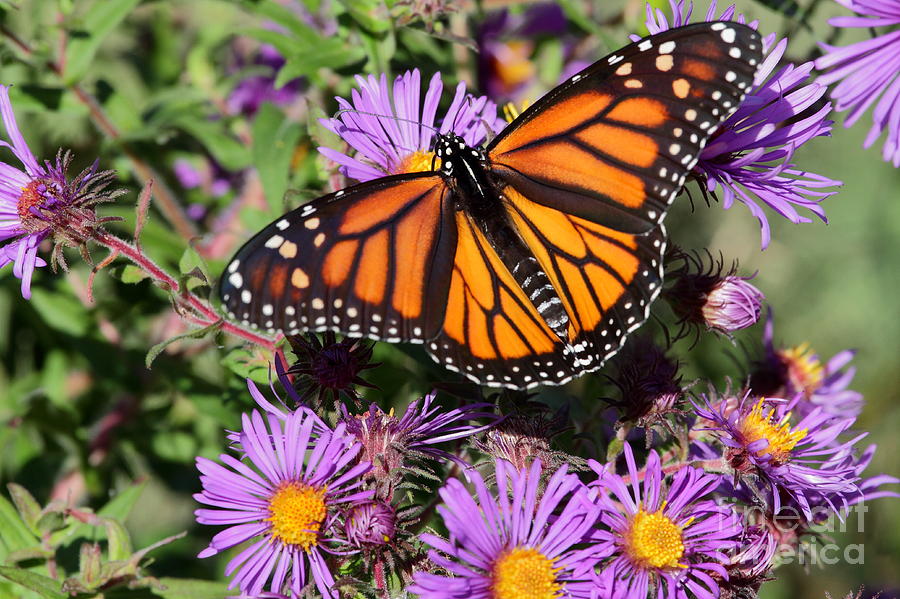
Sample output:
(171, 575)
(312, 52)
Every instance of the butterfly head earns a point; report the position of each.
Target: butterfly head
(451, 149)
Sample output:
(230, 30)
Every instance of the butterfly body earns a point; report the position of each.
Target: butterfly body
(467, 172)
(524, 262)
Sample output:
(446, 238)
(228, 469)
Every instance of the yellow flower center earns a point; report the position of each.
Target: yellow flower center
(757, 425)
(804, 368)
(418, 162)
(296, 512)
(654, 541)
(524, 573)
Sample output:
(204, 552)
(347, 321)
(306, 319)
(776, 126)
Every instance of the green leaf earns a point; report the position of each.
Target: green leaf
(120, 547)
(132, 274)
(175, 446)
(246, 364)
(89, 563)
(229, 152)
(14, 534)
(28, 507)
(101, 18)
(61, 311)
(194, 334)
(333, 53)
(116, 508)
(371, 14)
(274, 141)
(42, 585)
(194, 269)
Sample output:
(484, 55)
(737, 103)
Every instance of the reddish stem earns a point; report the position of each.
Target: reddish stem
(198, 311)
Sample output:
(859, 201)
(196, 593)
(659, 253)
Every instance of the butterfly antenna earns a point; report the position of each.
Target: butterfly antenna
(384, 116)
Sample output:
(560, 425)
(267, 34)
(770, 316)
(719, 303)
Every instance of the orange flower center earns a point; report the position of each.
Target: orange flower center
(418, 162)
(30, 198)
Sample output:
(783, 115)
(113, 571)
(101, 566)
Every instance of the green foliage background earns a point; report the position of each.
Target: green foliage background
(80, 412)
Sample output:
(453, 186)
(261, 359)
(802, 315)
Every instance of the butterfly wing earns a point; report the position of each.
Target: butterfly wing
(373, 260)
(615, 142)
(492, 333)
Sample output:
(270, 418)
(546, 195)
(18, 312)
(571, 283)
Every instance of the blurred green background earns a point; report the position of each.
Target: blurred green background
(161, 74)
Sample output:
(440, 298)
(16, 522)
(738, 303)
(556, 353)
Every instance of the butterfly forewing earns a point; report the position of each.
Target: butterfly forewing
(615, 142)
(367, 261)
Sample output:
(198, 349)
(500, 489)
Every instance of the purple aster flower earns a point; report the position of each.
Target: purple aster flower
(515, 543)
(663, 536)
(798, 370)
(388, 442)
(869, 488)
(749, 157)
(799, 462)
(39, 202)
(391, 132)
(210, 177)
(283, 499)
(867, 70)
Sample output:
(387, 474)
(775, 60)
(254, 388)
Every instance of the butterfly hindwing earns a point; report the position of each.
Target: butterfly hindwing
(615, 142)
(492, 333)
(365, 261)
(606, 279)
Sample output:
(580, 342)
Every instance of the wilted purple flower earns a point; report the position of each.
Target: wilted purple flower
(797, 462)
(392, 132)
(648, 382)
(516, 542)
(388, 442)
(749, 565)
(666, 537)
(328, 367)
(283, 499)
(39, 202)
(523, 436)
(370, 524)
(749, 156)
(867, 70)
(789, 371)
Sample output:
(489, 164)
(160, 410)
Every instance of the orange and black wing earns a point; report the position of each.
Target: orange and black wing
(372, 260)
(615, 142)
(492, 333)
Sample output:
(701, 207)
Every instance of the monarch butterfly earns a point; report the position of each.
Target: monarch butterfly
(526, 261)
